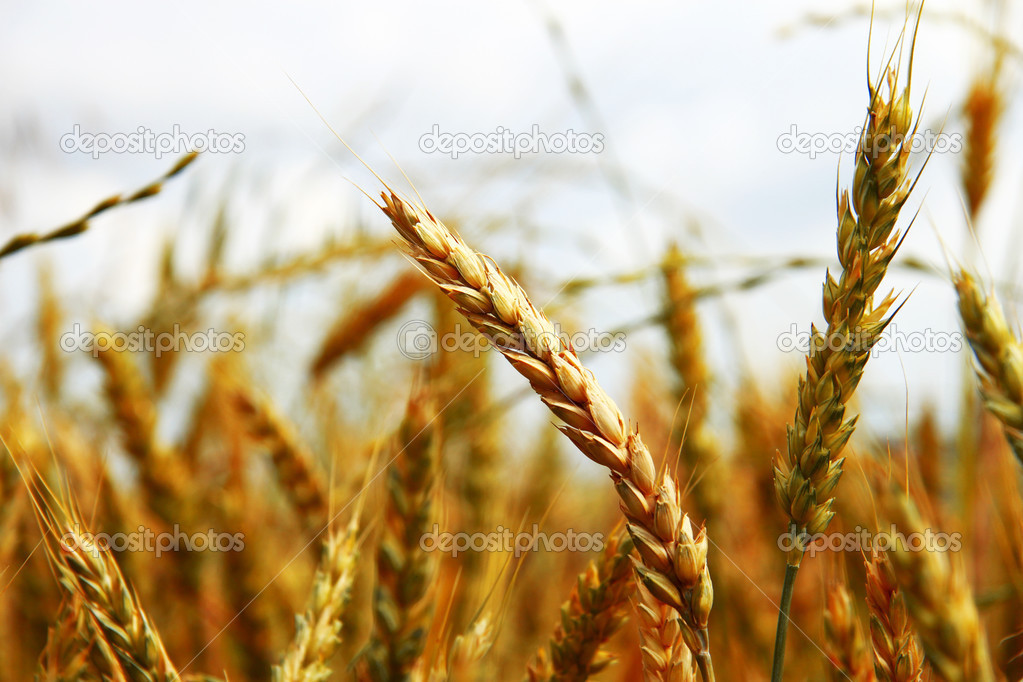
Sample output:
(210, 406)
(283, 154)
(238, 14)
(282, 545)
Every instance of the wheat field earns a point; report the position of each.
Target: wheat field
(343, 461)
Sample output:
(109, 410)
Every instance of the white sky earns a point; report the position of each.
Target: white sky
(693, 97)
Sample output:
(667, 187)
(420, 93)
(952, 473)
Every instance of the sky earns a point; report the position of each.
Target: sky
(690, 100)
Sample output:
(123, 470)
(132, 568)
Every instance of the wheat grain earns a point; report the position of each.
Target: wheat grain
(88, 571)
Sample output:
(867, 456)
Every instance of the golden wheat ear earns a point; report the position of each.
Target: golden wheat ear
(595, 610)
(674, 567)
(88, 571)
(999, 356)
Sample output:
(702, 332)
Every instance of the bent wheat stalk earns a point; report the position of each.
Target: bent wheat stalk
(674, 566)
(80, 225)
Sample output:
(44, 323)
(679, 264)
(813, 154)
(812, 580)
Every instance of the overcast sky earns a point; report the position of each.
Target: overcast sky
(690, 100)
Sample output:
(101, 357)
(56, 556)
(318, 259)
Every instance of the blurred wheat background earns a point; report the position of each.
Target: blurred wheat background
(692, 235)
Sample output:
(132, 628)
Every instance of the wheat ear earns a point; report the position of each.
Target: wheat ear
(351, 331)
(80, 225)
(318, 630)
(843, 638)
(292, 462)
(999, 357)
(595, 610)
(693, 377)
(806, 477)
(983, 109)
(75, 651)
(938, 596)
(400, 606)
(897, 653)
(88, 571)
(666, 658)
(674, 557)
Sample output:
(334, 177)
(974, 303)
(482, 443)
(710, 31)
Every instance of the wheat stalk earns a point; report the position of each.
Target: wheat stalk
(80, 225)
(685, 340)
(999, 357)
(352, 330)
(983, 111)
(897, 653)
(806, 477)
(292, 461)
(674, 558)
